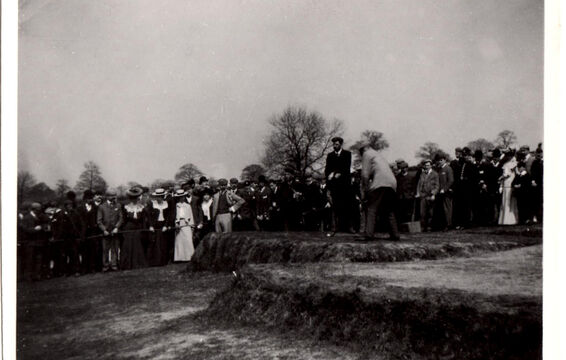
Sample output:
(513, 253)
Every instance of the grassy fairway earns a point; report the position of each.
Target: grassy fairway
(341, 306)
(143, 314)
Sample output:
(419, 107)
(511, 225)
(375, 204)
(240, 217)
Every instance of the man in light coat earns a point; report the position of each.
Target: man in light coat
(379, 186)
(109, 219)
(224, 205)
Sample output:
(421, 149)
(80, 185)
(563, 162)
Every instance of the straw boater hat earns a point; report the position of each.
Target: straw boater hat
(134, 192)
(180, 193)
(159, 192)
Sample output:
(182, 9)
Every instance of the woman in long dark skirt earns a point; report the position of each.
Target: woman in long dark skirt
(160, 218)
(132, 255)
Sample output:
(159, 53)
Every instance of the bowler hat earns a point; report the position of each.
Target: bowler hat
(338, 138)
(88, 194)
(222, 182)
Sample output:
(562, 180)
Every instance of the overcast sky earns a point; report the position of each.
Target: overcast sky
(142, 87)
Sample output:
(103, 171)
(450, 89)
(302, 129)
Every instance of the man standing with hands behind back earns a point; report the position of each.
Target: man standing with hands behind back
(337, 173)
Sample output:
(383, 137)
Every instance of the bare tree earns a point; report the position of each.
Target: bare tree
(162, 183)
(26, 181)
(252, 172)
(61, 188)
(91, 179)
(429, 150)
(42, 193)
(187, 172)
(298, 142)
(506, 138)
(481, 144)
(375, 139)
(121, 191)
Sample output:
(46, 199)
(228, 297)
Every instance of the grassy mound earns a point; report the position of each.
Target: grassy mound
(386, 311)
(227, 252)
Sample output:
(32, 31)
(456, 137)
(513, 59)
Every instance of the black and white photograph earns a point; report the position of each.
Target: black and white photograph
(294, 179)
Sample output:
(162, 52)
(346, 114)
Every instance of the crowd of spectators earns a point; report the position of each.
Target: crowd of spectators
(99, 232)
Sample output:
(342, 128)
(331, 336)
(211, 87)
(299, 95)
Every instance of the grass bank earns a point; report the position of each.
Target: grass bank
(489, 307)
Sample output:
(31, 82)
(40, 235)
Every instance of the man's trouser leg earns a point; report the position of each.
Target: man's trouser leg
(72, 251)
(427, 212)
(373, 200)
(381, 201)
(223, 223)
(447, 205)
(340, 209)
(114, 252)
(217, 225)
(424, 214)
(363, 218)
(34, 261)
(89, 253)
(27, 261)
(109, 252)
(388, 206)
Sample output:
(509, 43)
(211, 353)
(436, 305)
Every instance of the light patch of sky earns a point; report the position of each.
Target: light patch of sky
(142, 87)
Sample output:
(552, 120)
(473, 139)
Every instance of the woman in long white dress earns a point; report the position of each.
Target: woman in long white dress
(509, 213)
(184, 223)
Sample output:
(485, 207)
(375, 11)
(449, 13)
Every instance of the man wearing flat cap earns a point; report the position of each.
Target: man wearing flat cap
(465, 184)
(34, 242)
(337, 172)
(109, 220)
(224, 206)
(406, 190)
(66, 230)
(91, 250)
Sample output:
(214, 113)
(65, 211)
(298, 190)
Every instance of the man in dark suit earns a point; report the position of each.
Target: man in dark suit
(444, 196)
(337, 172)
(522, 190)
(537, 182)
(90, 247)
(263, 203)
(465, 191)
(34, 224)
